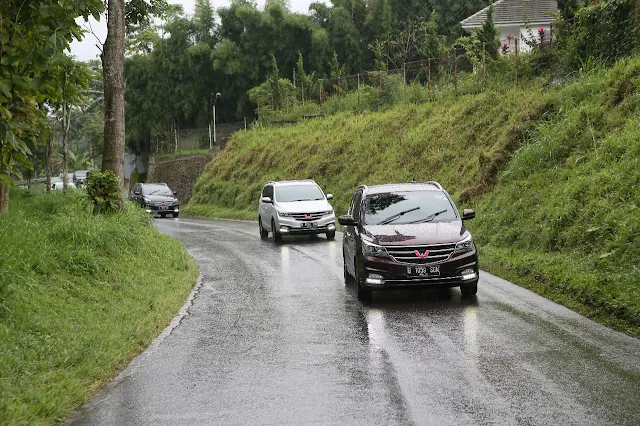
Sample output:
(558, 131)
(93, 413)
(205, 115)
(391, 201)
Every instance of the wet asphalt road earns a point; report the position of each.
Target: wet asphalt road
(274, 337)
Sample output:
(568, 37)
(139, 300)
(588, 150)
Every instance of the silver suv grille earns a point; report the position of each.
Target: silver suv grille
(305, 217)
(415, 254)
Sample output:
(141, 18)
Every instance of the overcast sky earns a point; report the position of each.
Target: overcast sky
(87, 49)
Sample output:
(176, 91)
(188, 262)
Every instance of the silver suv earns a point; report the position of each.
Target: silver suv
(295, 207)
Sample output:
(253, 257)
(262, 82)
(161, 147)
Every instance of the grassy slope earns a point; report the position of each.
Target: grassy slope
(80, 295)
(552, 172)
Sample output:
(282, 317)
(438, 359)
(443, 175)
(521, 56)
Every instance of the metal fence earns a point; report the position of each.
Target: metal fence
(185, 140)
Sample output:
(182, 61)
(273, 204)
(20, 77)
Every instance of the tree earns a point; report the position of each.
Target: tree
(31, 44)
(488, 35)
(303, 79)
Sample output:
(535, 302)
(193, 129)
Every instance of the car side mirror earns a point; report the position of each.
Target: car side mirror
(266, 200)
(329, 197)
(346, 220)
(468, 214)
(136, 192)
(175, 193)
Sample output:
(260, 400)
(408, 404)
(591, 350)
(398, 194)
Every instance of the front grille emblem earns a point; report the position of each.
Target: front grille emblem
(307, 216)
(421, 255)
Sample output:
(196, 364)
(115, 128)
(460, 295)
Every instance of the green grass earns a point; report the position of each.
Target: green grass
(80, 296)
(553, 172)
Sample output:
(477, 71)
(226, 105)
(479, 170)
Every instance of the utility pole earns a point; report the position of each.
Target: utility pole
(213, 112)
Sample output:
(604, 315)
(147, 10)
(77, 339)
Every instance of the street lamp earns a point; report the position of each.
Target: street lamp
(215, 99)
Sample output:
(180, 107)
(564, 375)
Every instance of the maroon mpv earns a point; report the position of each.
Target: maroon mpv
(407, 235)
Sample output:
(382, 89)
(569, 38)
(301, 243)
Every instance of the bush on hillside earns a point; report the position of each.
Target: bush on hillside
(104, 191)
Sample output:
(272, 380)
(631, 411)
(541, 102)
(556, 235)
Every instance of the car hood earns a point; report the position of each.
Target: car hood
(160, 198)
(417, 234)
(304, 206)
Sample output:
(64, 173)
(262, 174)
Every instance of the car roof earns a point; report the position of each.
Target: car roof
(403, 187)
(292, 182)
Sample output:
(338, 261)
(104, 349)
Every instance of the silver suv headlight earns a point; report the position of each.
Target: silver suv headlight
(283, 214)
(370, 249)
(464, 245)
(327, 213)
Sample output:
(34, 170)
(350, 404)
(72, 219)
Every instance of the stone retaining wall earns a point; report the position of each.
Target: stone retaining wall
(180, 172)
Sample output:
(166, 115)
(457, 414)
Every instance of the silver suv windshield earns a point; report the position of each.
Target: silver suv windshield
(288, 193)
(157, 190)
(408, 207)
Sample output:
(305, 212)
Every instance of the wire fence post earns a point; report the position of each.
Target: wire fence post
(484, 66)
(358, 91)
(380, 90)
(245, 123)
(320, 90)
(551, 49)
(404, 79)
(455, 71)
(636, 26)
(429, 79)
(338, 89)
(516, 62)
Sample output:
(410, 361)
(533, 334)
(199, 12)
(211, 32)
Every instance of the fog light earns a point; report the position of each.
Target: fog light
(331, 226)
(469, 274)
(148, 210)
(375, 279)
(284, 229)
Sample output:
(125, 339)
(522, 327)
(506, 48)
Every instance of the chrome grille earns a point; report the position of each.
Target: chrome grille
(407, 254)
(306, 217)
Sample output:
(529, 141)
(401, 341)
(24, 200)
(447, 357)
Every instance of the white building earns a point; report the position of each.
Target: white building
(509, 17)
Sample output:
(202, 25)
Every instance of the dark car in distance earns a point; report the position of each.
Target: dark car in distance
(156, 198)
(405, 236)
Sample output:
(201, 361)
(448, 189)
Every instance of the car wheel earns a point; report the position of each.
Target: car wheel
(163, 215)
(263, 232)
(277, 236)
(363, 293)
(347, 277)
(175, 214)
(331, 235)
(469, 289)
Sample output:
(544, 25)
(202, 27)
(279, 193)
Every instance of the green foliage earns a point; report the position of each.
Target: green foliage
(602, 32)
(31, 46)
(103, 191)
(76, 300)
(488, 35)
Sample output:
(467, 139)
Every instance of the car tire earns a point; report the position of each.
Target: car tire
(264, 234)
(175, 214)
(277, 236)
(469, 289)
(345, 271)
(331, 235)
(362, 292)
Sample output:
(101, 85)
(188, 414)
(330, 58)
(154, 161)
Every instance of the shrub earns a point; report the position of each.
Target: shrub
(104, 191)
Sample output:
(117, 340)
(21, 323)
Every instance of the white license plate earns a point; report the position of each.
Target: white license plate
(163, 207)
(309, 224)
(423, 271)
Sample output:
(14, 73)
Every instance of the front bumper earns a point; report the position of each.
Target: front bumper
(382, 273)
(159, 210)
(291, 226)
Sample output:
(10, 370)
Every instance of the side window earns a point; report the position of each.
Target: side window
(268, 191)
(354, 208)
(356, 205)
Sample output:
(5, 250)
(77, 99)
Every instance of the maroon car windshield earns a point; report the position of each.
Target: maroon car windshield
(408, 207)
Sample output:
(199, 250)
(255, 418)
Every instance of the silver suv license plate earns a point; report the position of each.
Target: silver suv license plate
(309, 224)
(423, 271)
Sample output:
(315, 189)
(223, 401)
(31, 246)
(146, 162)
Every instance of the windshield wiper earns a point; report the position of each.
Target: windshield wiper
(430, 217)
(305, 199)
(396, 216)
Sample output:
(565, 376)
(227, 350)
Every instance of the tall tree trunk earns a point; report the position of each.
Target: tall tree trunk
(48, 151)
(66, 121)
(113, 74)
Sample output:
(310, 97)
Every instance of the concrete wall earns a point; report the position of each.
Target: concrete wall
(180, 172)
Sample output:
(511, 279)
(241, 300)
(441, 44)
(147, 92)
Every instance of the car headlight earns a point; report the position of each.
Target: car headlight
(370, 249)
(283, 214)
(464, 246)
(327, 213)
